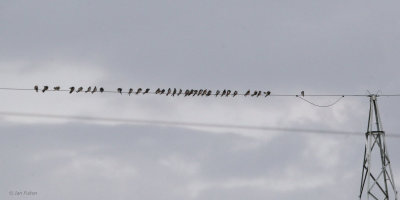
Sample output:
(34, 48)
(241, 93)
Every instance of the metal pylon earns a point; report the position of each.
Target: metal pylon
(377, 182)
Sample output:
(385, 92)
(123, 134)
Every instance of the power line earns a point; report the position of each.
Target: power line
(185, 124)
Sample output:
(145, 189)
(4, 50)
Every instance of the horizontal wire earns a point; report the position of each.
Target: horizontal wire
(239, 94)
(186, 124)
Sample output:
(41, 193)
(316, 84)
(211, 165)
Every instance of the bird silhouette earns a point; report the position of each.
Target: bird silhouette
(194, 92)
(180, 92)
(57, 88)
(158, 91)
(200, 92)
(235, 93)
(247, 93)
(217, 93)
(139, 90)
(88, 90)
(255, 93)
(146, 91)
(169, 91)
(71, 89)
(45, 88)
(101, 90)
(187, 92)
(228, 92)
(204, 92)
(259, 93)
(302, 93)
(267, 93)
(36, 88)
(209, 93)
(94, 89)
(79, 89)
(223, 93)
(130, 91)
(191, 92)
(119, 90)
(174, 92)
(162, 91)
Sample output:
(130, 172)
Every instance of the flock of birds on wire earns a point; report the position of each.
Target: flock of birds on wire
(167, 92)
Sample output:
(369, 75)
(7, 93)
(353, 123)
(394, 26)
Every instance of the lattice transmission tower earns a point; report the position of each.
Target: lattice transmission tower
(377, 181)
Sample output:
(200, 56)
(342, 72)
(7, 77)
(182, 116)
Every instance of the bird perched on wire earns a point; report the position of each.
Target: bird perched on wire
(223, 93)
(88, 90)
(187, 92)
(146, 91)
(259, 93)
(79, 89)
(200, 92)
(119, 90)
(302, 93)
(139, 90)
(162, 91)
(45, 88)
(101, 90)
(254, 93)
(217, 93)
(36, 88)
(158, 91)
(94, 89)
(194, 92)
(209, 93)
(180, 92)
(228, 92)
(204, 92)
(71, 90)
(57, 88)
(169, 91)
(130, 91)
(174, 92)
(235, 93)
(267, 93)
(247, 93)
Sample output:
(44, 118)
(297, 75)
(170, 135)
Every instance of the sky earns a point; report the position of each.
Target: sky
(320, 47)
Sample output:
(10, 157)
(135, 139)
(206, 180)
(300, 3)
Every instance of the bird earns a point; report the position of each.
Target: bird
(174, 92)
(169, 91)
(57, 88)
(162, 91)
(235, 93)
(228, 92)
(71, 89)
(94, 89)
(267, 93)
(79, 89)
(119, 90)
(191, 92)
(36, 88)
(187, 92)
(45, 88)
(217, 93)
(209, 93)
(255, 93)
(259, 93)
(130, 91)
(194, 92)
(101, 90)
(158, 90)
(302, 93)
(88, 90)
(204, 92)
(223, 93)
(147, 91)
(200, 92)
(247, 93)
(139, 90)
(180, 92)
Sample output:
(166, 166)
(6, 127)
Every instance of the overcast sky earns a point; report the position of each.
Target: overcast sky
(320, 47)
